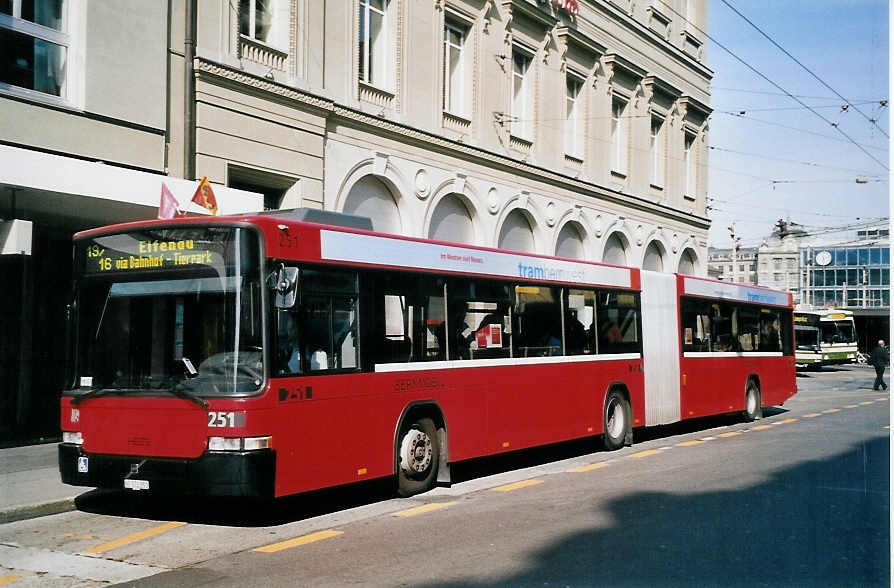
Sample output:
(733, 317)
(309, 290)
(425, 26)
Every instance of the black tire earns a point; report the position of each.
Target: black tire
(616, 421)
(417, 455)
(753, 409)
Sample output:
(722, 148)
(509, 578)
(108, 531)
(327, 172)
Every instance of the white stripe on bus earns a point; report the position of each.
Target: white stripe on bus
(418, 366)
(732, 354)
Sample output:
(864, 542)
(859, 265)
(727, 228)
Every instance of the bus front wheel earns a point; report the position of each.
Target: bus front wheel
(417, 457)
(752, 402)
(615, 421)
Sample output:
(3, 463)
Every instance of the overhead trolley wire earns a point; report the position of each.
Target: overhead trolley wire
(804, 67)
(777, 86)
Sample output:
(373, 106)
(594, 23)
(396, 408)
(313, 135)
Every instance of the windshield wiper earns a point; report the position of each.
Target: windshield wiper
(185, 390)
(91, 394)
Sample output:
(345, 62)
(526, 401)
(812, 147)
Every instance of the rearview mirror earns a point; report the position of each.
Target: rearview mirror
(284, 282)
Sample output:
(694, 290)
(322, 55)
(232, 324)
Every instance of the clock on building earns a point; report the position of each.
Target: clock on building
(823, 258)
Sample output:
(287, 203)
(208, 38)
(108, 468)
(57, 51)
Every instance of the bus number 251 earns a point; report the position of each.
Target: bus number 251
(226, 419)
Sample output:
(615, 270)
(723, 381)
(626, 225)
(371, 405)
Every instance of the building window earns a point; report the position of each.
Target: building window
(656, 151)
(521, 63)
(454, 69)
(36, 34)
(619, 136)
(256, 19)
(689, 164)
(573, 86)
(373, 42)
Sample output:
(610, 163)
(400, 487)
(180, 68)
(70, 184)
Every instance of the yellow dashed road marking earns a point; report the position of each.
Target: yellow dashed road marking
(589, 468)
(786, 421)
(689, 443)
(134, 537)
(867, 402)
(811, 415)
(851, 405)
(761, 427)
(881, 399)
(422, 509)
(303, 540)
(832, 410)
(517, 485)
(9, 579)
(645, 453)
(730, 434)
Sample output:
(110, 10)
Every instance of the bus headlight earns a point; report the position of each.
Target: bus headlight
(239, 443)
(73, 437)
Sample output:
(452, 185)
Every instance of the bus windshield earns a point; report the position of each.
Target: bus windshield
(169, 309)
(806, 337)
(838, 332)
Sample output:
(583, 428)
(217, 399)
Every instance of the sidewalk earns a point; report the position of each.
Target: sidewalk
(30, 485)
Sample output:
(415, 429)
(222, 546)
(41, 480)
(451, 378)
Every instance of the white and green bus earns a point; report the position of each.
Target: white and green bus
(824, 337)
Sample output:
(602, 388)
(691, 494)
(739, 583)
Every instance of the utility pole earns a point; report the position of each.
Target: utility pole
(736, 240)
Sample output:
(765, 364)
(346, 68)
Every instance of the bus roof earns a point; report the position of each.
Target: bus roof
(328, 243)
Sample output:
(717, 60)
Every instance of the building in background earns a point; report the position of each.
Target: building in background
(851, 272)
(778, 257)
(575, 128)
(741, 268)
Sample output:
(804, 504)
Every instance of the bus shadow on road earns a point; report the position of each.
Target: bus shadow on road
(234, 512)
(237, 512)
(526, 458)
(816, 523)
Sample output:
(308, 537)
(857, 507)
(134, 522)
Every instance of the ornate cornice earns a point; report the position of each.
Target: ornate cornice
(205, 68)
(572, 36)
(534, 13)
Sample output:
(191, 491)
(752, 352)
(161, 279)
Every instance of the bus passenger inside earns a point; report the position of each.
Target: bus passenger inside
(769, 336)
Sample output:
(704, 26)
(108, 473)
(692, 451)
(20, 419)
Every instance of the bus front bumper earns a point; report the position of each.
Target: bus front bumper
(247, 474)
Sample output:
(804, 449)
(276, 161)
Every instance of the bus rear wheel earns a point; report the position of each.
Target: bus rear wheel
(752, 402)
(615, 421)
(418, 452)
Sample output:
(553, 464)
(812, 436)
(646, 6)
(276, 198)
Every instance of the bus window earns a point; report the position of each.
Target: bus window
(723, 337)
(538, 329)
(695, 324)
(479, 319)
(324, 325)
(769, 333)
(409, 314)
(748, 323)
(580, 315)
(617, 319)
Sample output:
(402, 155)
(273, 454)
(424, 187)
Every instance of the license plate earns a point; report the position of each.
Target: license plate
(136, 484)
(82, 465)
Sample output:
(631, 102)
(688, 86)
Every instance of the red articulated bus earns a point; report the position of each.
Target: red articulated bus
(271, 354)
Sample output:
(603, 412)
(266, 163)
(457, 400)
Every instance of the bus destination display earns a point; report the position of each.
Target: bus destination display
(128, 253)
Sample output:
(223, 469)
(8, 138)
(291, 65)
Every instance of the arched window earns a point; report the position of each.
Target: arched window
(451, 221)
(516, 233)
(654, 258)
(370, 197)
(687, 263)
(615, 250)
(570, 242)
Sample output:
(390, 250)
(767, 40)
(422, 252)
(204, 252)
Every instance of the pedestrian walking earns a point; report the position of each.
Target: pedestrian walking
(879, 360)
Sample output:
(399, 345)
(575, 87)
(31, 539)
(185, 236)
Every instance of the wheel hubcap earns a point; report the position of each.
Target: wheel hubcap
(751, 402)
(415, 452)
(615, 419)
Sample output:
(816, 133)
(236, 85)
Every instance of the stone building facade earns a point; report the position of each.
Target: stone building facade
(503, 123)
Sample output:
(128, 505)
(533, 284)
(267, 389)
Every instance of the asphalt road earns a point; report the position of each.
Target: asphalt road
(799, 498)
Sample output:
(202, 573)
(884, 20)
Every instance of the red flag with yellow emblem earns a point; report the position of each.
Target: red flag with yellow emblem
(204, 196)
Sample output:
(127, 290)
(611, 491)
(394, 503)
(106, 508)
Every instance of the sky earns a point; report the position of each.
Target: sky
(772, 158)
